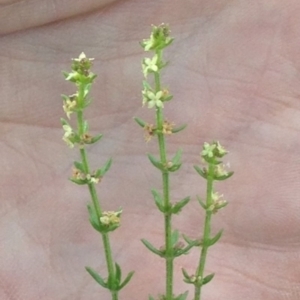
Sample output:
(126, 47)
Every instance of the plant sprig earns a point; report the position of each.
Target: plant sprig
(214, 171)
(156, 96)
(102, 221)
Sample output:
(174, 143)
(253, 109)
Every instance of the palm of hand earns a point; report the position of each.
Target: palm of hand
(233, 75)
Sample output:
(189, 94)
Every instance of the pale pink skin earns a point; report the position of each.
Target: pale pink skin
(234, 74)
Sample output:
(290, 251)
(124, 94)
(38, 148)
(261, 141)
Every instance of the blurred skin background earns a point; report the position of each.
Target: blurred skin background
(234, 73)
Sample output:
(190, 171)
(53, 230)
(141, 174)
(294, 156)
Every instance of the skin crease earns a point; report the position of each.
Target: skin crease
(234, 72)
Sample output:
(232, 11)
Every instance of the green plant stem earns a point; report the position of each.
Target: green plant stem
(96, 203)
(206, 231)
(166, 191)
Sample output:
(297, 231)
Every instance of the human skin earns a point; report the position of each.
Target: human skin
(234, 73)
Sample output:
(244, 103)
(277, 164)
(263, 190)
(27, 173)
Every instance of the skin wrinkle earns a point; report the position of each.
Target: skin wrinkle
(43, 16)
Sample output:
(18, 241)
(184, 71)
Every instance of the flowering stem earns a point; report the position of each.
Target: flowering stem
(206, 231)
(166, 192)
(95, 199)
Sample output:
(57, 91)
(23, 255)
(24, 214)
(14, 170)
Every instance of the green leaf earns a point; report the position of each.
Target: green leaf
(151, 298)
(66, 74)
(118, 274)
(149, 246)
(126, 280)
(79, 181)
(190, 241)
(185, 274)
(64, 122)
(85, 126)
(174, 168)
(200, 172)
(224, 177)
(213, 240)
(156, 163)
(79, 166)
(208, 278)
(201, 203)
(93, 217)
(158, 200)
(140, 122)
(87, 89)
(174, 237)
(147, 86)
(176, 159)
(101, 172)
(167, 98)
(178, 129)
(179, 205)
(182, 296)
(65, 97)
(95, 139)
(96, 276)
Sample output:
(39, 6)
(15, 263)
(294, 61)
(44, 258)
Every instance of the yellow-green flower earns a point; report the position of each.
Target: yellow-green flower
(155, 99)
(150, 65)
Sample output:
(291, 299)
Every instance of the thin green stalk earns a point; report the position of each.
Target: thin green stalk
(96, 202)
(206, 231)
(166, 191)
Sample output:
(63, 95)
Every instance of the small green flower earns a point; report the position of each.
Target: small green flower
(213, 150)
(111, 218)
(208, 150)
(150, 65)
(69, 105)
(68, 135)
(155, 99)
(220, 149)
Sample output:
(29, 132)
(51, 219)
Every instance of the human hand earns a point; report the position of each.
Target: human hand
(233, 73)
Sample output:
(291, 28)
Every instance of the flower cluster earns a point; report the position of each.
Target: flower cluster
(159, 38)
(77, 102)
(111, 218)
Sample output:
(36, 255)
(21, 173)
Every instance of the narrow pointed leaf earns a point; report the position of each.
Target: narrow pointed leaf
(224, 177)
(168, 98)
(201, 203)
(96, 138)
(177, 207)
(85, 126)
(156, 163)
(158, 200)
(176, 159)
(178, 129)
(200, 172)
(149, 246)
(87, 89)
(96, 276)
(191, 242)
(126, 280)
(213, 240)
(174, 168)
(151, 298)
(118, 274)
(185, 274)
(208, 278)
(64, 122)
(140, 122)
(182, 296)
(65, 97)
(93, 217)
(106, 167)
(175, 237)
(79, 181)
(147, 86)
(79, 166)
